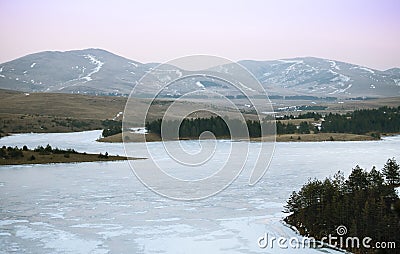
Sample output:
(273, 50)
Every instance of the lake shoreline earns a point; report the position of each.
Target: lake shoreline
(320, 137)
(32, 157)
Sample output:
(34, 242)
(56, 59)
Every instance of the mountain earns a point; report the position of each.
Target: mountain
(96, 71)
(322, 77)
(90, 71)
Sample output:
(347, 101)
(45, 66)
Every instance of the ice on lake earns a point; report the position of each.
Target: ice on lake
(101, 207)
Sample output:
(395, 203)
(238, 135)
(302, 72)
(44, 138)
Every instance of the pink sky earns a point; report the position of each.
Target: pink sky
(362, 31)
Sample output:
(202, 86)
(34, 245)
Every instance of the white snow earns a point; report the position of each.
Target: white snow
(139, 130)
(363, 68)
(333, 72)
(291, 61)
(372, 86)
(1, 68)
(334, 92)
(134, 64)
(345, 89)
(116, 233)
(118, 115)
(199, 84)
(339, 76)
(59, 240)
(396, 82)
(344, 78)
(333, 64)
(179, 73)
(1, 75)
(246, 87)
(10, 222)
(33, 65)
(94, 61)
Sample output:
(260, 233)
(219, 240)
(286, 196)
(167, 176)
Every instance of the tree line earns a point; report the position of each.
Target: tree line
(289, 128)
(111, 127)
(316, 116)
(373, 121)
(364, 121)
(383, 119)
(366, 203)
(193, 127)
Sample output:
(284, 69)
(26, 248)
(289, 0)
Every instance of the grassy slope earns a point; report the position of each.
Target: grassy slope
(61, 105)
(46, 112)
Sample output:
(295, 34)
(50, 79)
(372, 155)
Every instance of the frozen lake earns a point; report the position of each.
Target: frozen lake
(101, 207)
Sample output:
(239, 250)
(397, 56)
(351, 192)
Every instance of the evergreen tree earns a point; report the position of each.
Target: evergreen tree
(364, 203)
(391, 172)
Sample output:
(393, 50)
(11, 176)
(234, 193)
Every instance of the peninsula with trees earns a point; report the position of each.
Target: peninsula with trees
(366, 203)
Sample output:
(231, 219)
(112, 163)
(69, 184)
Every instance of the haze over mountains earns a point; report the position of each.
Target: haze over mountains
(96, 71)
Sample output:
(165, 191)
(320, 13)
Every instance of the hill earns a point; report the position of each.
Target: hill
(99, 72)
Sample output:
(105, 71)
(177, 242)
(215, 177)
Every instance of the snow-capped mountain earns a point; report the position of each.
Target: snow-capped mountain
(92, 71)
(96, 71)
(321, 77)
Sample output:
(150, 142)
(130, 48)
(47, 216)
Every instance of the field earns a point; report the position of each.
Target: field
(52, 112)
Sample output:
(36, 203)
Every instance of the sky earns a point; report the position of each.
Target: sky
(363, 32)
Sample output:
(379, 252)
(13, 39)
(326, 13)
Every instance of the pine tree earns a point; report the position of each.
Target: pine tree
(391, 171)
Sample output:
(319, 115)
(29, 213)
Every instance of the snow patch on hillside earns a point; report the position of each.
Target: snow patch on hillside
(333, 64)
(363, 68)
(339, 91)
(292, 66)
(179, 73)
(96, 62)
(117, 115)
(246, 87)
(134, 64)
(291, 61)
(33, 65)
(339, 77)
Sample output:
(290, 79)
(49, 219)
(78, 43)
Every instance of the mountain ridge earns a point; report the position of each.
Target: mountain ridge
(100, 72)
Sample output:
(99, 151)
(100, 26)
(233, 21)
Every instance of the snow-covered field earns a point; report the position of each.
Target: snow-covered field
(103, 208)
